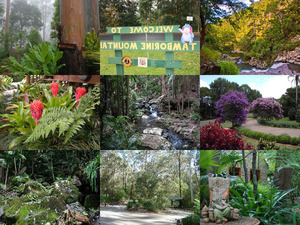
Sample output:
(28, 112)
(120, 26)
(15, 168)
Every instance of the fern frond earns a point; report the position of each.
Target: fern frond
(74, 129)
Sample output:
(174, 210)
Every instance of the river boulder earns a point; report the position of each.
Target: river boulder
(289, 56)
(151, 141)
(257, 63)
(229, 58)
(153, 101)
(66, 190)
(209, 68)
(73, 217)
(154, 130)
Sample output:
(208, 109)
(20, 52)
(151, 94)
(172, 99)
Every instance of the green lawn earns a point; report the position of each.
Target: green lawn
(286, 120)
(190, 61)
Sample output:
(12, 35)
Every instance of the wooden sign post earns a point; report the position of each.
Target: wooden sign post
(169, 46)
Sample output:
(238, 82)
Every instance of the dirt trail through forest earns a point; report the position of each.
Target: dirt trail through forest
(252, 124)
(118, 215)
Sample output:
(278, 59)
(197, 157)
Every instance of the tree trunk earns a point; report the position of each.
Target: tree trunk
(191, 180)
(254, 172)
(15, 164)
(6, 176)
(127, 95)
(91, 16)
(283, 178)
(118, 98)
(203, 26)
(245, 166)
(72, 32)
(6, 45)
(163, 85)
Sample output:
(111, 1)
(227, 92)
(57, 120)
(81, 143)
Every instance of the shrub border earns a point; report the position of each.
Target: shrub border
(281, 124)
(283, 138)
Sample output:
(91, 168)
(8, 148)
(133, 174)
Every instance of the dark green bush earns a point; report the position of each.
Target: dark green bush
(292, 114)
(229, 68)
(269, 205)
(193, 219)
(283, 124)
(150, 206)
(298, 116)
(284, 139)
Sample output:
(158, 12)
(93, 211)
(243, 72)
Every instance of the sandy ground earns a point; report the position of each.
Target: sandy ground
(118, 215)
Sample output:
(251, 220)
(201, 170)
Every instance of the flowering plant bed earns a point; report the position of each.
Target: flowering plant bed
(54, 120)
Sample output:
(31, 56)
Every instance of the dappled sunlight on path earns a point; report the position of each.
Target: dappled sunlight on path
(118, 215)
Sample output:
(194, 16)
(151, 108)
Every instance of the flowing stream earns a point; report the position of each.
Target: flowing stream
(276, 69)
(176, 139)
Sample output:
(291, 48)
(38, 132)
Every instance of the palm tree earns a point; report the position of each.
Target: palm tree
(296, 79)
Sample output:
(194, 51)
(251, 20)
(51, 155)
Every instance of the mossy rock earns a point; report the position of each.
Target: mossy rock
(53, 203)
(44, 210)
(33, 188)
(66, 191)
(11, 210)
(92, 201)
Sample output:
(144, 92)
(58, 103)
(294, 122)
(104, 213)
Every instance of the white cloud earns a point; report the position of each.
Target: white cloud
(274, 87)
(203, 84)
(252, 85)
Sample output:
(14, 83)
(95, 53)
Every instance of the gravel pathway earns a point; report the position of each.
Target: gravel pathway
(118, 215)
(252, 124)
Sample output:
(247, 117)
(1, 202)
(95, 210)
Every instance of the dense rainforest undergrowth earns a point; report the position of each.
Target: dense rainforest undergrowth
(49, 187)
(150, 112)
(261, 34)
(145, 180)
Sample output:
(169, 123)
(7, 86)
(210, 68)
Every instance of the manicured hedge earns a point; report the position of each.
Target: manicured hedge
(282, 124)
(283, 138)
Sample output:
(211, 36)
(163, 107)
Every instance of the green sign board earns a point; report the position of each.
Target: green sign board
(143, 30)
(150, 46)
(169, 46)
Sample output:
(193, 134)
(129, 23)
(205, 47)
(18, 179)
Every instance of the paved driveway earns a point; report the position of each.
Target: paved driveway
(252, 124)
(118, 215)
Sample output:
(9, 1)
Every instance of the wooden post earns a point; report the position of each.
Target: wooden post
(27, 79)
(72, 32)
(118, 53)
(169, 54)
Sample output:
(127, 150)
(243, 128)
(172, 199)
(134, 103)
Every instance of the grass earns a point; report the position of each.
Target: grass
(254, 142)
(286, 120)
(190, 61)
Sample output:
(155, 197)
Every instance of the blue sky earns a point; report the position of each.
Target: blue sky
(268, 85)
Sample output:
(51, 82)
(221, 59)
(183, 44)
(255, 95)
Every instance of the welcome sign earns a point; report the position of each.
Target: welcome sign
(141, 30)
(149, 46)
(169, 46)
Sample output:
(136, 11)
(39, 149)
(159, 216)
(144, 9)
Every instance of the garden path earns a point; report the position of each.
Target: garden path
(118, 215)
(252, 124)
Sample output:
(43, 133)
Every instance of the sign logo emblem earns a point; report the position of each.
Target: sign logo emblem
(142, 62)
(127, 61)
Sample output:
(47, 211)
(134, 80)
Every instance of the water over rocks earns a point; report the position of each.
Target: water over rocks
(154, 130)
(275, 69)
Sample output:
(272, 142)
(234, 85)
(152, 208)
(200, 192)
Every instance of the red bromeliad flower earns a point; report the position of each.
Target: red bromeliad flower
(54, 89)
(36, 109)
(79, 93)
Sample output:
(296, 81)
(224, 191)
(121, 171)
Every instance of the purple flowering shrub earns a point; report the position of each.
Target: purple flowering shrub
(233, 106)
(267, 108)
